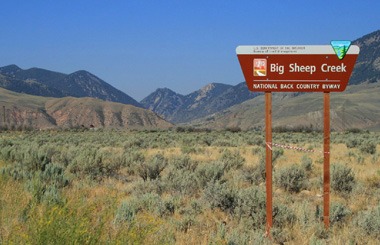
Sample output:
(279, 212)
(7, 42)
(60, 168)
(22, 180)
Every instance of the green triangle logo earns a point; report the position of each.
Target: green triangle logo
(340, 48)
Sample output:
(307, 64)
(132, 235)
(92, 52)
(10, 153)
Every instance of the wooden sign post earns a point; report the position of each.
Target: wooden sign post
(287, 68)
(268, 158)
(326, 158)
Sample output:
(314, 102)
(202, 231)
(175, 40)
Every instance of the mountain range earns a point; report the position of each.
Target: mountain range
(80, 95)
(211, 98)
(37, 81)
(197, 109)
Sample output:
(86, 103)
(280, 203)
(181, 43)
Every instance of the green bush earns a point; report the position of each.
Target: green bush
(167, 207)
(277, 153)
(369, 222)
(245, 236)
(133, 158)
(339, 213)
(256, 140)
(368, 147)
(184, 162)
(188, 149)
(54, 175)
(232, 160)
(250, 206)
(280, 235)
(306, 163)
(42, 191)
(151, 169)
(255, 174)
(142, 187)
(283, 215)
(209, 172)
(342, 178)
(220, 195)
(223, 143)
(150, 202)
(292, 179)
(353, 142)
(126, 212)
(182, 181)
(185, 223)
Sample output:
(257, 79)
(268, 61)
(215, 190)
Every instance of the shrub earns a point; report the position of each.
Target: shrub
(305, 216)
(88, 162)
(282, 216)
(250, 205)
(17, 171)
(256, 150)
(126, 212)
(210, 172)
(133, 142)
(254, 174)
(292, 179)
(151, 169)
(142, 187)
(280, 235)
(223, 143)
(52, 195)
(184, 162)
(54, 175)
(182, 181)
(353, 142)
(368, 147)
(233, 129)
(185, 223)
(188, 149)
(242, 236)
(306, 163)
(42, 191)
(150, 202)
(373, 181)
(338, 213)
(219, 195)
(256, 140)
(167, 207)
(369, 222)
(133, 158)
(354, 130)
(276, 153)
(342, 178)
(232, 160)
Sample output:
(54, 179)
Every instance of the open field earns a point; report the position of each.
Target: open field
(182, 187)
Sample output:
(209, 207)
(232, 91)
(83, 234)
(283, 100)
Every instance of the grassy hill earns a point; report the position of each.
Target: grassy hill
(28, 111)
(357, 107)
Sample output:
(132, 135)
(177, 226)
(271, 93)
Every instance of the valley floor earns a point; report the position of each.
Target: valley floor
(170, 187)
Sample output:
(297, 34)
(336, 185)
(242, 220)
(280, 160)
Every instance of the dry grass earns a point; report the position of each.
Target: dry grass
(94, 204)
(13, 198)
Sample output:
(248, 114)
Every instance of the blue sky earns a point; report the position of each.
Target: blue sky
(139, 46)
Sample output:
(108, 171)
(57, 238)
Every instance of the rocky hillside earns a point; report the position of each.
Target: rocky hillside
(36, 81)
(28, 111)
(164, 102)
(367, 68)
(212, 98)
(357, 107)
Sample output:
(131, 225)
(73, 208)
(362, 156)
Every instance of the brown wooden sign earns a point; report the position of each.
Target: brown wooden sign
(298, 69)
(289, 68)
